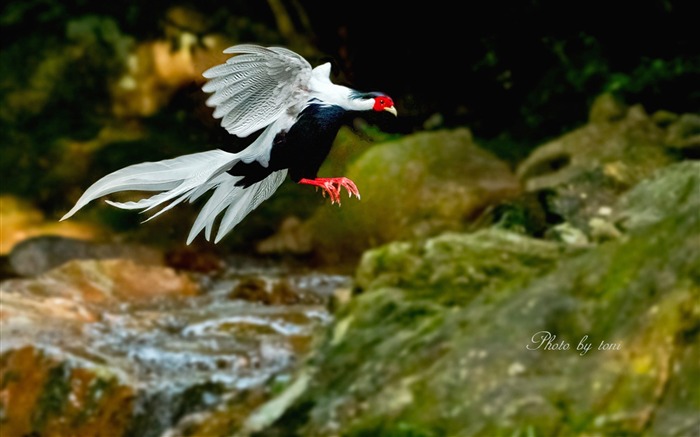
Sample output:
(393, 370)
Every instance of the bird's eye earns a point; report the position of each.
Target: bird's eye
(381, 102)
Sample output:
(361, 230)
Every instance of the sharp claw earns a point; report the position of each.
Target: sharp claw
(334, 187)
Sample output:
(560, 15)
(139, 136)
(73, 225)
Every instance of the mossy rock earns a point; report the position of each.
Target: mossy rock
(587, 169)
(416, 186)
(416, 353)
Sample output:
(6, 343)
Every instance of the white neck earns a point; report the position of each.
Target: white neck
(321, 87)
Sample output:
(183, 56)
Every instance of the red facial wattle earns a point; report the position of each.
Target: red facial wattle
(382, 102)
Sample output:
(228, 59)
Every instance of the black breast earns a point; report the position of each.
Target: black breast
(302, 149)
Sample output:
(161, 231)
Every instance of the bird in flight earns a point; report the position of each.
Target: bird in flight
(272, 89)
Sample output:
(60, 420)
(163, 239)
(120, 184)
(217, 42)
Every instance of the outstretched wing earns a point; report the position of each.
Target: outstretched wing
(256, 87)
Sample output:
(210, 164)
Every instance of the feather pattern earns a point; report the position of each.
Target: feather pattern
(259, 88)
(155, 176)
(187, 178)
(256, 87)
(237, 201)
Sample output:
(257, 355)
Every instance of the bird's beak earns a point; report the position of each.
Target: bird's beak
(392, 110)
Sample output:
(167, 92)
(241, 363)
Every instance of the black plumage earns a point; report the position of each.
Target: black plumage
(302, 149)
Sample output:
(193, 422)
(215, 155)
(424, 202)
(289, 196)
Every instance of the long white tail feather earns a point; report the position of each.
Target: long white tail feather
(153, 176)
(239, 201)
(151, 201)
(230, 216)
(187, 178)
(252, 197)
(223, 195)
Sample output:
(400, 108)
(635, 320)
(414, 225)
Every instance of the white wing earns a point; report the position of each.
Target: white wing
(256, 87)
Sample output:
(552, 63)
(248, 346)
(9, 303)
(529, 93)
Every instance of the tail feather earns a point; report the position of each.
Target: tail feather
(223, 195)
(155, 176)
(252, 197)
(237, 201)
(187, 178)
(152, 202)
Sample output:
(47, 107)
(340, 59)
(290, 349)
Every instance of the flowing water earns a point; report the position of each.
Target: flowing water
(247, 325)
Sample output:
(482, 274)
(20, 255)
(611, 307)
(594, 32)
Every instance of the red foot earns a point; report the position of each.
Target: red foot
(332, 186)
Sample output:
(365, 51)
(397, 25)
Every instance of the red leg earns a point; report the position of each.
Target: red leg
(332, 186)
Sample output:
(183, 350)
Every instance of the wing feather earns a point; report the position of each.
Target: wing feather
(256, 86)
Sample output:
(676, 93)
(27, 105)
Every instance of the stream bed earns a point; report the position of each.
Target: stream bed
(146, 345)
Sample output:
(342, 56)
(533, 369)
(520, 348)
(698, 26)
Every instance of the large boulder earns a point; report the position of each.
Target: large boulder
(496, 333)
(412, 187)
(579, 175)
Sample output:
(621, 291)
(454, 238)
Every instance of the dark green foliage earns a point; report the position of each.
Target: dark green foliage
(513, 90)
(584, 67)
(54, 90)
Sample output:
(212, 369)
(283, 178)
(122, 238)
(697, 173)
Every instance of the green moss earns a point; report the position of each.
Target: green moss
(379, 428)
(415, 186)
(100, 389)
(53, 396)
(453, 268)
(419, 355)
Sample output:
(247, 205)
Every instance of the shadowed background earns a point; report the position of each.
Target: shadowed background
(516, 73)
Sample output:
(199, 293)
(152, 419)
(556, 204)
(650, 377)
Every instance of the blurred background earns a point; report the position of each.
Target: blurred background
(91, 87)
(541, 177)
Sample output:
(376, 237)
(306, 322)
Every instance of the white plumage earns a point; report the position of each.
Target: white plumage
(255, 88)
(259, 88)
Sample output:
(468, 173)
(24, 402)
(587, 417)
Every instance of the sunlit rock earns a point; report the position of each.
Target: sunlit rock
(109, 280)
(19, 221)
(156, 70)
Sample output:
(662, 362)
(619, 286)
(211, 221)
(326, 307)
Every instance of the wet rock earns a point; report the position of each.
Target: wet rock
(416, 186)
(495, 333)
(44, 394)
(194, 260)
(116, 345)
(41, 254)
(267, 292)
